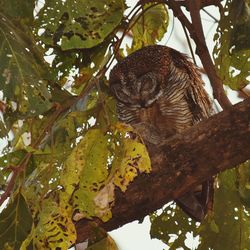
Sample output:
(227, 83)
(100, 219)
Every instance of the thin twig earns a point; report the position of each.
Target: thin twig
(189, 44)
(210, 15)
(12, 180)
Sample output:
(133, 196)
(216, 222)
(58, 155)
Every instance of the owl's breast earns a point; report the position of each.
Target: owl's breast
(161, 122)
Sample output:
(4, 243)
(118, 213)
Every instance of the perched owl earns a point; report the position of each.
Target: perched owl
(160, 93)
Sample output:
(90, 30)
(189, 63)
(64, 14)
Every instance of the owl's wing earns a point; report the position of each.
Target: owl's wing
(196, 96)
(185, 98)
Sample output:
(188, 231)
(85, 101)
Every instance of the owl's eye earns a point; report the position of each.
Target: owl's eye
(126, 95)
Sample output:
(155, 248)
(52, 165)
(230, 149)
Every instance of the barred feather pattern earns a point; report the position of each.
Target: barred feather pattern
(159, 92)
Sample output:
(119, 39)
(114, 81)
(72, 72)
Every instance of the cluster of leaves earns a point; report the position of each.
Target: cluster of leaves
(66, 150)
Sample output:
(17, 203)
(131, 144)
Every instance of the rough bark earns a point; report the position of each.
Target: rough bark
(180, 163)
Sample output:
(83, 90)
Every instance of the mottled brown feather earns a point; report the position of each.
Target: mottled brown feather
(177, 102)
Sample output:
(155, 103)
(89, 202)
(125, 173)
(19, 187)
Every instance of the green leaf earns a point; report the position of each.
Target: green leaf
(78, 24)
(15, 223)
(231, 217)
(18, 9)
(22, 75)
(232, 49)
(244, 183)
(80, 65)
(150, 27)
(240, 34)
(172, 221)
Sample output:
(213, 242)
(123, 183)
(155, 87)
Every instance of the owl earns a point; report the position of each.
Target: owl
(160, 93)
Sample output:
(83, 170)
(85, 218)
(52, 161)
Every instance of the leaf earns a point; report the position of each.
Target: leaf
(231, 217)
(134, 158)
(104, 160)
(78, 24)
(232, 49)
(18, 9)
(171, 222)
(41, 181)
(50, 206)
(15, 223)
(244, 183)
(239, 37)
(87, 61)
(54, 228)
(150, 27)
(22, 76)
(90, 158)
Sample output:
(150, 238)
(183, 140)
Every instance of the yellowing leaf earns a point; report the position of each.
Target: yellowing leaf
(150, 27)
(134, 159)
(54, 228)
(91, 157)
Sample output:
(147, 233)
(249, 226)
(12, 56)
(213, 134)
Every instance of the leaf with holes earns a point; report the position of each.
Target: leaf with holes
(132, 157)
(90, 157)
(172, 221)
(78, 24)
(232, 49)
(87, 61)
(22, 76)
(232, 219)
(54, 228)
(15, 223)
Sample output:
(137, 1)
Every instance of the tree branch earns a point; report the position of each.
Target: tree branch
(181, 163)
(196, 32)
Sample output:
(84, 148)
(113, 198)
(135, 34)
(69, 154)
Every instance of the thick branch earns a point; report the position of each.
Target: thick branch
(180, 163)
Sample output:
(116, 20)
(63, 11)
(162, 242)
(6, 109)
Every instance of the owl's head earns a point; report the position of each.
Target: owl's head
(138, 91)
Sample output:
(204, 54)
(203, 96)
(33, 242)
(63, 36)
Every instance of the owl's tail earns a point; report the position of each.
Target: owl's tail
(198, 203)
